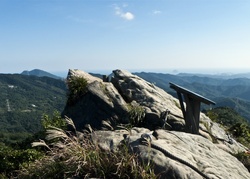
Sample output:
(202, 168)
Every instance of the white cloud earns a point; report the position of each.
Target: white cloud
(128, 16)
(157, 12)
(125, 15)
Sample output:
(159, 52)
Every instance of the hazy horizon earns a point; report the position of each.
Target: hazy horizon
(164, 71)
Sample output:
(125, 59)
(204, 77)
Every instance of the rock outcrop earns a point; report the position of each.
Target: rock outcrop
(101, 102)
(198, 152)
(112, 101)
(154, 100)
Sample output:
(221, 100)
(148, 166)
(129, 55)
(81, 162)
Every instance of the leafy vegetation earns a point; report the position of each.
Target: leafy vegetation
(225, 116)
(55, 121)
(14, 159)
(242, 133)
(21, 155)
(77, 87)
(244, 158)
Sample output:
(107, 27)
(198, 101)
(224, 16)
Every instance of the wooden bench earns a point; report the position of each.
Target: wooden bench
(193, 102)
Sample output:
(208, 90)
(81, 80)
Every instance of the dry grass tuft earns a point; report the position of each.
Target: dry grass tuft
(70, 157)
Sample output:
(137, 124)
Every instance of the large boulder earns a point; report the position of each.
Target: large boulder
(112, 102)
(101, 102)
(216, 134)
(153, 99)
(201, 157)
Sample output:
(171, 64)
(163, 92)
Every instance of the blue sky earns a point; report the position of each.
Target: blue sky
(140, 35)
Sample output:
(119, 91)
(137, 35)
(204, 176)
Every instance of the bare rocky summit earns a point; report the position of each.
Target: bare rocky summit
(172, 152)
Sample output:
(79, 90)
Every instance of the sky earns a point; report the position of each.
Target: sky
(136, 35)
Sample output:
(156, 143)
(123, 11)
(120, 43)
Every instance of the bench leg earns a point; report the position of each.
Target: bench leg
(192, 115)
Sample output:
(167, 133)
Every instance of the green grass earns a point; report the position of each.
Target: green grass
(136, 115)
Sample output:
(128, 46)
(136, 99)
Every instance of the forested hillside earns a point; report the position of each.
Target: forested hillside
(234, 93)
(23, 102)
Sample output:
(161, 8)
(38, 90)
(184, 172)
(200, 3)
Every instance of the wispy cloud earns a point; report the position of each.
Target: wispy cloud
(155, 12)
(125, 5)
(125, 15)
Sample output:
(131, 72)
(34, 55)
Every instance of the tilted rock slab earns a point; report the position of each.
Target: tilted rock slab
(212, 131)
(109, 101)
(153, 99)
(199, 152)
(102, 102)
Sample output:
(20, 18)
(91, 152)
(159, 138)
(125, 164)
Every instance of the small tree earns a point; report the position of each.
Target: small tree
(56, 121)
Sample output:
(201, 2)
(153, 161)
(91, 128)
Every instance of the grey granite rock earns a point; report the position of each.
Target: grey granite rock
(101, 102)
(153, 99)
(197, 151)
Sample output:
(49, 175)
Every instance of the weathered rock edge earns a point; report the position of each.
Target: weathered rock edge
(194, 149)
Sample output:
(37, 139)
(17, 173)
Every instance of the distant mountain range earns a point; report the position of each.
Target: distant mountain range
(211, 87)
(40, 73)
(222, 75)
(231, 92)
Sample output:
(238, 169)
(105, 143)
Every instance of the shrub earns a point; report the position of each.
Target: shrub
(13, 159)
(244, 158)
(225, 116)
(56, 120)
(241, 132)
(77, 87)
